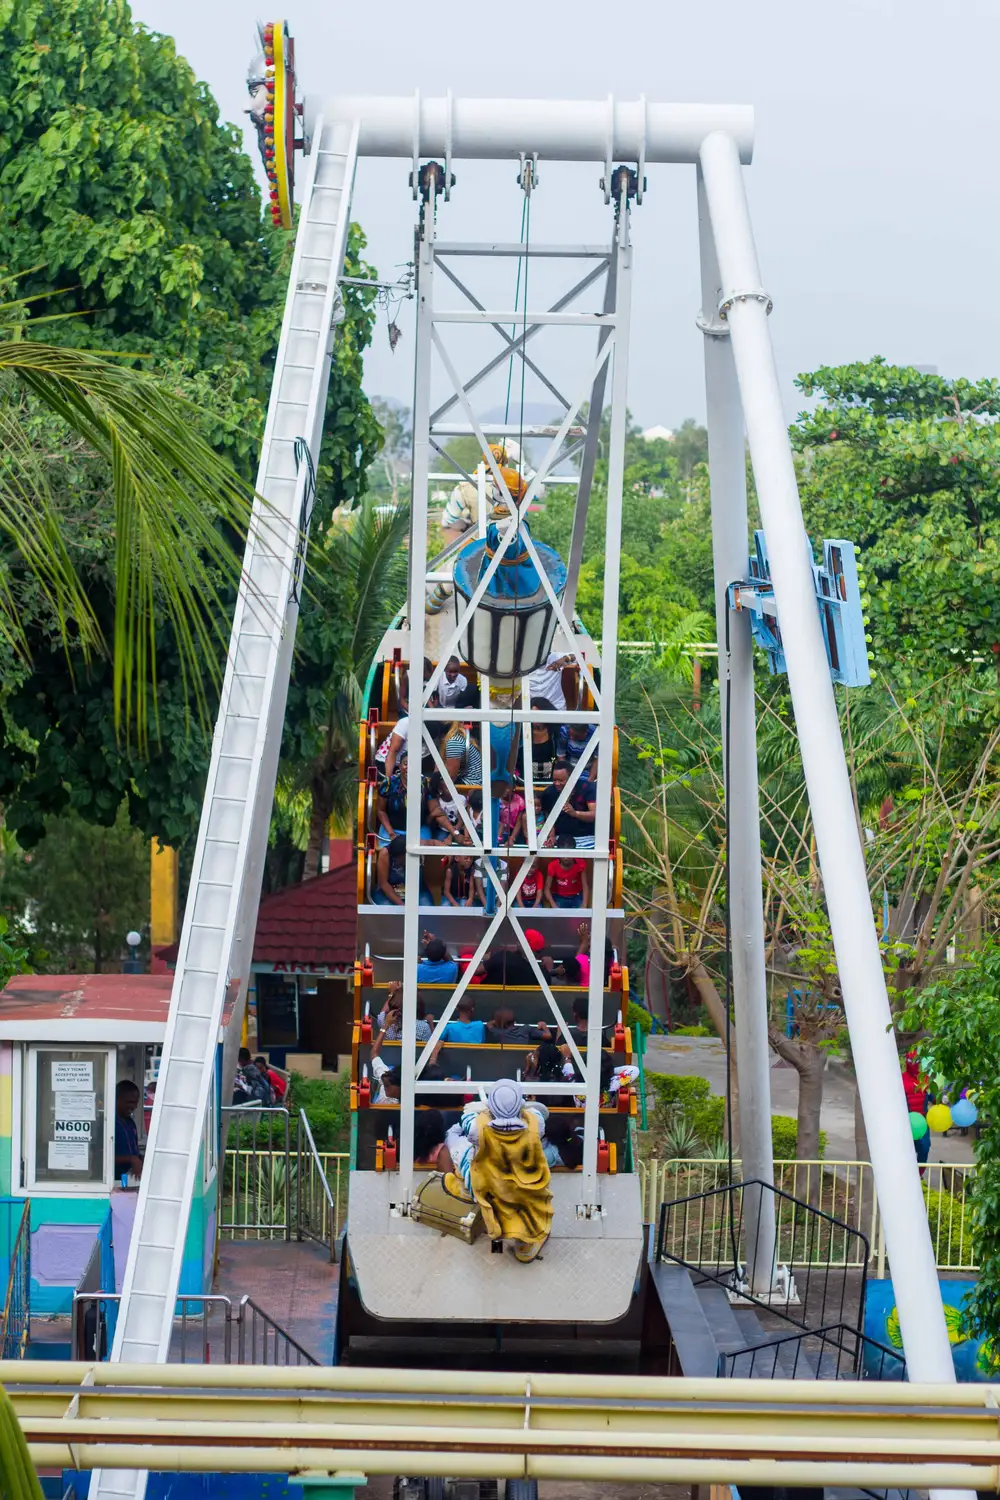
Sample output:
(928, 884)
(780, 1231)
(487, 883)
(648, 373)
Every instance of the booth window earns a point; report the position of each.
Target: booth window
(67, 1096)
(277, 1011)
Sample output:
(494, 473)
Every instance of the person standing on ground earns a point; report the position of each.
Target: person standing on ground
(917, 1100)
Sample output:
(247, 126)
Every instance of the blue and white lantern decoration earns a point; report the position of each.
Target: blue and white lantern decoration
(509, 633)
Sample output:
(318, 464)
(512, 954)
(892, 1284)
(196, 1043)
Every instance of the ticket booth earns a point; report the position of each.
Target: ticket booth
(66, 1043)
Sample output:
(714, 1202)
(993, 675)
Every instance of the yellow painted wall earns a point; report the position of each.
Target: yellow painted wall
(164, 894)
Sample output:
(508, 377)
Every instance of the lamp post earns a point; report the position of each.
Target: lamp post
(133, 964)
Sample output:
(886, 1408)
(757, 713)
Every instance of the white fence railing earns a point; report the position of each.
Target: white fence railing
(843, 1189)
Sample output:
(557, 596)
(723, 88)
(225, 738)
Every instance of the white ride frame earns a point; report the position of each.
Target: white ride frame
(612, 327)
(742, 389)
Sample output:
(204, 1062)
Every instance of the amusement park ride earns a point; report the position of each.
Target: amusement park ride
(511, 605)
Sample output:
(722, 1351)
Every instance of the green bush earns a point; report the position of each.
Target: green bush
(638, 1018)
(326, 1102)
(692, 1099)
(690, 1031)
(705, 1113)
(784, 1133)
(950, 1225)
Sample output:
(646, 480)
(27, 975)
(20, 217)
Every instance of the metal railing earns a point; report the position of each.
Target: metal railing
(839, 1352)
(255, 1185)
(207, 1330)
(15, 1323)
(843, 1189)
(317, 1217)
(716, 1234)
(262, 1341)
(274, 1183)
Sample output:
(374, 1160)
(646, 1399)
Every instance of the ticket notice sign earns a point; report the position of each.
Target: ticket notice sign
(69, 1156)
(76, 1077)
(72, 1130)
(75, 1106)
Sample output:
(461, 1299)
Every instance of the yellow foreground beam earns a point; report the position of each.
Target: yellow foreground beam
(295, 1420)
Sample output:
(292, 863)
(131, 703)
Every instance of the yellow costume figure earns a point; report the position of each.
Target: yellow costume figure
(508, 1173)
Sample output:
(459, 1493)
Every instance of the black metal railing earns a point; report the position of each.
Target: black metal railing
(207, 1329)
(810, 1272)
(839, 1352)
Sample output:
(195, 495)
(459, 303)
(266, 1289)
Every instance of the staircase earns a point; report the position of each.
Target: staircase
(813, 1333)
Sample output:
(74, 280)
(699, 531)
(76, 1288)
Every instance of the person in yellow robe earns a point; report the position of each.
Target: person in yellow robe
(499, 1158)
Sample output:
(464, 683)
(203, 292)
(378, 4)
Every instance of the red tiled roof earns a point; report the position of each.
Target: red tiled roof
(315, 922)
(312, 923)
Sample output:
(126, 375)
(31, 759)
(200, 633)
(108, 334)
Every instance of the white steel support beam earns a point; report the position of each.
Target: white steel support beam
(589, 461)
(412, 928)
(600, 870)
(866, 1005)
(727, 471)
(412, 127)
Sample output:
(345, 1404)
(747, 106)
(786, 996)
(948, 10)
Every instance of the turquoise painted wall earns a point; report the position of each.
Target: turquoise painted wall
(53, 1220)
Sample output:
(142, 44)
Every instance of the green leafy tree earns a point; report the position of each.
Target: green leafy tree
(79, 892)
(907, 465)
(390, 474)
(126, 197)
(121, 190)
(355, 593)
(15, 956)
(690, 449)
(959, 1022)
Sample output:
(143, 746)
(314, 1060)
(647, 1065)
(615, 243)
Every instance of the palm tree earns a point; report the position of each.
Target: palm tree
(359, 576)
(180, 514)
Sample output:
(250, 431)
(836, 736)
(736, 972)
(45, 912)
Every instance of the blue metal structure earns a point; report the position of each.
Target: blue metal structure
(838, 598)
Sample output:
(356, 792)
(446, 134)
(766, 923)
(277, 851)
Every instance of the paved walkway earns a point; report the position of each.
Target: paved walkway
(706, 1057)
(294, 1283)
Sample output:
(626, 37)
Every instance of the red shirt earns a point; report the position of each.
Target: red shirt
(531, 884)
(916, 1093)
(567, 880)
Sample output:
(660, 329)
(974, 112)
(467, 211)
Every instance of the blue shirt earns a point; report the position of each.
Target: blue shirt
(126, 1136)
(437, 971)
(464, 1031)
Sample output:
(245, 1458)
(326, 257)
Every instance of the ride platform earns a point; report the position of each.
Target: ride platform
(587, 1272)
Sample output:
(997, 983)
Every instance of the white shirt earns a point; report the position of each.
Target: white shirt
(547, 681)
(401, 730)
(449, 691)
(379, 1069)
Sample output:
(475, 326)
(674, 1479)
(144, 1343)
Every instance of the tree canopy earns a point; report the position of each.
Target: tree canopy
(907, 466)
(122, 191)
(128, 199)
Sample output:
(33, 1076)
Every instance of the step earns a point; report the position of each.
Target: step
(786, 1361)
(726, 1332)
(696, 1349)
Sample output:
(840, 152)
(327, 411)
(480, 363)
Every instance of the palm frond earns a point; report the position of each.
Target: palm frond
(176, 502)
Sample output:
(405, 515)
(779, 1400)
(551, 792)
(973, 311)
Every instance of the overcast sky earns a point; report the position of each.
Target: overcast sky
(873, 188)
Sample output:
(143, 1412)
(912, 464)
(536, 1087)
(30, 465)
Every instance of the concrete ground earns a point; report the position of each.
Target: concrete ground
(706, 1058)
(293, 1283)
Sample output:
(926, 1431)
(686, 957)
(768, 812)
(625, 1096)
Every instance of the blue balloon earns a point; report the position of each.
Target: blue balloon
(964, 1113)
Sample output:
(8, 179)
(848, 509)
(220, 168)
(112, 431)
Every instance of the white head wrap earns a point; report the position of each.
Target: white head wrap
(504, 1102)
